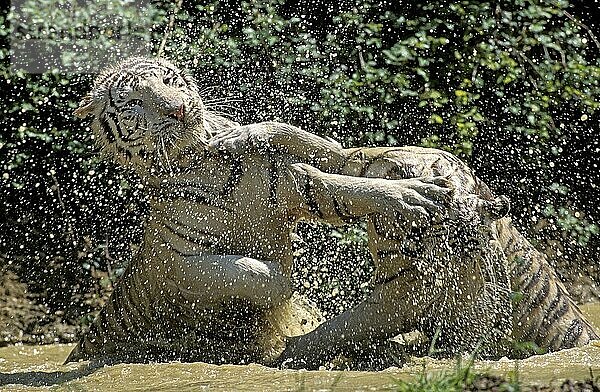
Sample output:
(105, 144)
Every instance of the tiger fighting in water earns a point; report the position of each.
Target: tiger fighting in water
(212, 280)
(217, 246)
(453, 280)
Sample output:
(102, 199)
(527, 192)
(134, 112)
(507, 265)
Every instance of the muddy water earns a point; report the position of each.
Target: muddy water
(40, 368)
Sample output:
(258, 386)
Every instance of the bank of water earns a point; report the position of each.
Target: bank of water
(40, 368)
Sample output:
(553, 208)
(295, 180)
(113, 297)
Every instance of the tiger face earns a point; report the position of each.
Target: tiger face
(145, 111)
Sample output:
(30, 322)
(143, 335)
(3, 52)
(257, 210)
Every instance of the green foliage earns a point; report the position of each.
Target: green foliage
(457, 69)
(351, 235)
(572, 224)
(527, 349)
(79, 36)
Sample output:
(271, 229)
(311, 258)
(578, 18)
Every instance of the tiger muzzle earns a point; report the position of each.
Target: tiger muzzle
(178, 113)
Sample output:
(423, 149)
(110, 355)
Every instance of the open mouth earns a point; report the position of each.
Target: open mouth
(179, 113)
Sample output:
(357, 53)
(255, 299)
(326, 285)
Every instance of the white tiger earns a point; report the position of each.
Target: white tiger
(211, 282)
(453, 279)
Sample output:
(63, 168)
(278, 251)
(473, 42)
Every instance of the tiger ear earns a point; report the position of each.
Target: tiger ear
(86, 106)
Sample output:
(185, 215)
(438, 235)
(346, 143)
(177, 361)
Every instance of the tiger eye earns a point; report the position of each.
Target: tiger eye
(123, 92)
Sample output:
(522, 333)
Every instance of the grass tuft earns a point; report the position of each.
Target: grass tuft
(444, 380)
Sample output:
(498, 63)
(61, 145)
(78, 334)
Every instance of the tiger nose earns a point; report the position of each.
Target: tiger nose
(178, 112)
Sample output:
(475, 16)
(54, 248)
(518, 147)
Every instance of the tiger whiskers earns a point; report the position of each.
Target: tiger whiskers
(221, 106)
(223, 114)
(164, 153)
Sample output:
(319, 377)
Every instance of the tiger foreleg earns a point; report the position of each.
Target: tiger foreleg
(354, 330)
(324, 153)
(208, 279)
(332, 197)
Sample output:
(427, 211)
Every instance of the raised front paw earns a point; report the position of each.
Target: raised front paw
(419, 200)
(239, 140)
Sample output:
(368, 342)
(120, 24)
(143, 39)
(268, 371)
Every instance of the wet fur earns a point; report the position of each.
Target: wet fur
(211, 281)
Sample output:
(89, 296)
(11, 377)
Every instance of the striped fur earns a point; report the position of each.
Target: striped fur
(179, 298)
(543, 313)
(211, 282)
(454, 279)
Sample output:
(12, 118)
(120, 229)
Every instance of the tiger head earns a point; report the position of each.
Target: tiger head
(145, 111)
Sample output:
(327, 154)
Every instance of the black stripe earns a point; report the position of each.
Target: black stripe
(342, 211)
(137, 126)
(174, 229)
(198, 198)
(110, 137)
(159, 193)
(363, 170)
(113, 117)
(534, 279)
(363, 158)
(178, 223)
(396, 235)
(162, 124)
(537, 308)
(174, 249)
(533, 306)
(131, 140)
(111, 98)
(382, 156)
(146, 68)
(236, 172)
(558, 307)
(523, 272)
(456, 160)
(358, 151)
(313, 206)
(398, 274)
